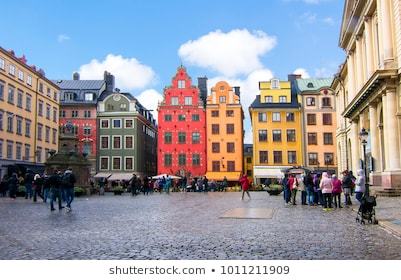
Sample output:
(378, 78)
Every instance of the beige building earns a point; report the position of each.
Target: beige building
(368, 90)
(29, 114)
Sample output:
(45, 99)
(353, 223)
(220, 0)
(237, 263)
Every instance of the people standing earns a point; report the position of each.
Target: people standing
(29, 177)
(244, 185)
(336, 191)
(102, 184)
(360, 185)
(284, 183)
(55, 190)
(46, 188)
(37, 187)
(146, 185)
(4, 185)
(293, 185)
(309, 189)
(302, 188)
(134, 185)
(68, 181)
(13, 185)
(326, 187)
(167, 184)
(347, 187)
(224, 184)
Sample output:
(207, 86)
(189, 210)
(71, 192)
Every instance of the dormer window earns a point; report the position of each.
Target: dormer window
(69, 96)
(181, 83)
(269, 99)
(310, 85)
(89, 96)
(275, 84)
(283, 99)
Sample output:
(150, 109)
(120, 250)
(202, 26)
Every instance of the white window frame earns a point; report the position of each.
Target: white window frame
(87, 94)
(29, 80)
(282, 99)
(125, 123)
(112, 142)
(269, 99)
(100, 163)
(275, 84)
(275, 114)
(189, 99)
(125, 163)
(11, 69)
(175, 98)
(112, 162)
(20, 75)
(2, 63)
(181, 84)
(112, 123)
(108, 142)
(125, 142)
(108, 123)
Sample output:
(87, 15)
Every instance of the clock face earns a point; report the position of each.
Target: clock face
(116, 97)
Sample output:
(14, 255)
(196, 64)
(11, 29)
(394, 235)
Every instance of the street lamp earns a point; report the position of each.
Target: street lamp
(363, 136)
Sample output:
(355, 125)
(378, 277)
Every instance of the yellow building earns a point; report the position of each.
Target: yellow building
(277, 131)
(29, 113)
(248, 160)
(224, 132)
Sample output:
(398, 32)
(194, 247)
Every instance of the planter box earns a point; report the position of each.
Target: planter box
(274, 192)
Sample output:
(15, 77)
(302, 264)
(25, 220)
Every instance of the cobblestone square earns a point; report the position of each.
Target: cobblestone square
(186, 226)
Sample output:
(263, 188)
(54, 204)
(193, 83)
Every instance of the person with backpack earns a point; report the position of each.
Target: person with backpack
(68, 181)
(55, 190)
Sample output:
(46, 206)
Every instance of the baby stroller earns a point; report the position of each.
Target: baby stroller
(366, 210)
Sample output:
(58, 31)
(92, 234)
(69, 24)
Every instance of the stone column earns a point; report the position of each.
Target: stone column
(355, 147)
(351, 77)
(393, 150)
(386, 36)
(358, 64)
(374, 136)
(385, 130)
(369, 44)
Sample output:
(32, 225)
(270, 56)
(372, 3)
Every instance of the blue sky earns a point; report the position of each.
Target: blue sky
(147, 40)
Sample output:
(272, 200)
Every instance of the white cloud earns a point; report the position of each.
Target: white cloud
(150, 98)
(230, 54)
(129, 72)
(303, 72)
(308, 17)
(329, 21)
(62, 38)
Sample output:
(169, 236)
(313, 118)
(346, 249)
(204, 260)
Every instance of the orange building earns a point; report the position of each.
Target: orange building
(224, 132)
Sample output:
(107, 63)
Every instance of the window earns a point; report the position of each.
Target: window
(27, 128)
(104, 142)
(312, 138)
(123, 107)
(181, 118)
(54, 138)
(262, 117)
(87, 114)
(10, 148)
(215, 147)
(167, 160)
(168, 138)
(49, 92)
(20, 75)
(116, 142)
(47, 134)
(312, 159)
(129, 123)
(188, 100)
(38, 154)
(88, 96)
(326, 102)
(11, 69)
(311, 119)
(19, 125)
(55, 96)
(10, 123)
(167, 118)
(28, 103)
(262, 156)
(181, 137)
(276, 117)
(2, 64)
(277, 157)
(104, 163)
(276, 135)
(48, 111)
(328, 158)
(19, 98)
(328, 138)
(195, 118)
(291, 135)
(40, 108)
(129, 163)
(222, 99)
(174, 100)
(129, 142)
(18, 151)
(116, 163)
(230, 128)
(327, 119)
(10, 95)
(1, 90)
(54, 114)
(290, 117)
(216, 166)
(1, 120)
(310, 101)
(215, 114)
(230, 166)
(275, 84)
(62, 114)
(74, 114)
(282, 99)
(181, 83)
(230, 147)
(104, 123)
(230, 113)
(292, 157)
(87, 131)
(27, 153)
(262, 135)
(41, 87)
(269, 99)
(116, 123)
(29, 80)
(215, 129)
(195, 159)
(182, 160)
(195, 137)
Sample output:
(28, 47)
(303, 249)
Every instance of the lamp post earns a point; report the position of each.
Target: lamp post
(363, 136)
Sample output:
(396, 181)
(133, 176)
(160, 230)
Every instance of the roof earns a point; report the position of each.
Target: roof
(79, 84)
(257, 104)
(314, 84)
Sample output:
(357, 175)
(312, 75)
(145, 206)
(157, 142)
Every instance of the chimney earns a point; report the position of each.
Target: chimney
(202, 85)
(109, 80)
(293, 77)
(75, 76)
(237, 91)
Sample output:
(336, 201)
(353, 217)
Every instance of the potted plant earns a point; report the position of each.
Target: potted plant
(118, 190)
(78, 191)
(274, 189)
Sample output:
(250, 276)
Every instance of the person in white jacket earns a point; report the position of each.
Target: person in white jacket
(360, 185)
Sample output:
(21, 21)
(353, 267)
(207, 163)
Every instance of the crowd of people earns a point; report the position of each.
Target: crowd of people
(323, 189)
(55, 187)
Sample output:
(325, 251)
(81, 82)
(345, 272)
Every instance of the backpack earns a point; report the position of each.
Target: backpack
(66, 180)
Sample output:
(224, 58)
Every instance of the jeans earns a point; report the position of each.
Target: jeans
(310, 196)
(358, 196)
(320, 196)
(55, 194)
(326, 200)
(69, 195)
(45, 194)
(303, 197)
(337, 197)
(28, 191)
(287, 194)
(37, 192)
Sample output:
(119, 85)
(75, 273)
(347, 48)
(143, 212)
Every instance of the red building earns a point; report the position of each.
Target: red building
(182, 128)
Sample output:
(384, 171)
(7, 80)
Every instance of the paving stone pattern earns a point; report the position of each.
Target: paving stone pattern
(186, 226)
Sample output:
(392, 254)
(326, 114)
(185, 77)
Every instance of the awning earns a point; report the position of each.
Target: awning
(263, 172)
(219, 176)
(102, 175)
(120, 177)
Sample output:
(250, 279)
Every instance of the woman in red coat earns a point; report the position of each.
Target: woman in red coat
(244, 185)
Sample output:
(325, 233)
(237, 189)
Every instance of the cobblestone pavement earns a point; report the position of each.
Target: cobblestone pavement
(186, 226)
